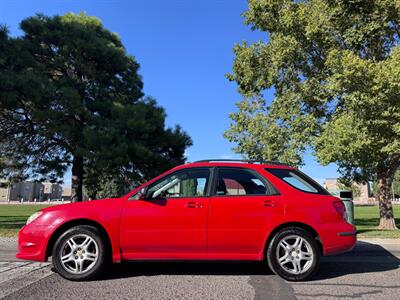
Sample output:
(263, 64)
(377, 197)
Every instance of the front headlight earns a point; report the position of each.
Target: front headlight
(33, 217)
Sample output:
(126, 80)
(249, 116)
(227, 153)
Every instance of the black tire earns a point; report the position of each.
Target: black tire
(272, 258)
(97, 267)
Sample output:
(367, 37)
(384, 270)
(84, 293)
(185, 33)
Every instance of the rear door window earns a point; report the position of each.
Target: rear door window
(239, 182)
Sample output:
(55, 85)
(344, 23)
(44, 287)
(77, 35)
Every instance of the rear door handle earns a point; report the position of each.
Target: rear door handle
(194, 204)
(268, 203)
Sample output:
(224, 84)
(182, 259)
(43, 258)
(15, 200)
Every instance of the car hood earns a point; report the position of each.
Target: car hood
(110, 202)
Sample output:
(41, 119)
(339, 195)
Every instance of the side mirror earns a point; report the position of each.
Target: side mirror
(163, 195)
(141, 195)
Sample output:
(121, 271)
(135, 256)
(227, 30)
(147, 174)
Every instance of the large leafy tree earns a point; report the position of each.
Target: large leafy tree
(70, 96)
(334, 67)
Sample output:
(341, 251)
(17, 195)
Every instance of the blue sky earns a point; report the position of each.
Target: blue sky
(184, 48)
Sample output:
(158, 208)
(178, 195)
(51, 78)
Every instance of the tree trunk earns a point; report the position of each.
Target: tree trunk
(77, 179)
(384, 182)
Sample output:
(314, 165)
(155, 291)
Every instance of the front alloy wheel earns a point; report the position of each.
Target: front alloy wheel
(79, 253)
(293, 254)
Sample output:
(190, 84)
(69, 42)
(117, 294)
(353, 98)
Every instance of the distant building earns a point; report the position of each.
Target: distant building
(52, 191)
(66, 193)
(27, 191)
(331, 184)
(363, 195)
(4, 190)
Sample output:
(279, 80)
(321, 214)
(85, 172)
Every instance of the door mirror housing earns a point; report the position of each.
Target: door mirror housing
(163, 195)
(141, 195)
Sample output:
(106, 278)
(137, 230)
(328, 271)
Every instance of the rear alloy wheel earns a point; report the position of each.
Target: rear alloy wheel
(79, 253)
(293, 254)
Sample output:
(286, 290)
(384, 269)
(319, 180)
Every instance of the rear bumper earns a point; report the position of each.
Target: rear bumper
(338, 238)
(32, 242)
(348, 233)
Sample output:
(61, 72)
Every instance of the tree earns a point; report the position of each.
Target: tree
(70, 96)
(396, 184)
(395, 189)
(106, 186)
(334, 69)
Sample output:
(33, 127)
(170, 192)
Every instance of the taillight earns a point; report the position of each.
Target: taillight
(340, 208)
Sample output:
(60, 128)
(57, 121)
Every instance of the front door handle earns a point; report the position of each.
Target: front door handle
(268, 203)
(194, 204)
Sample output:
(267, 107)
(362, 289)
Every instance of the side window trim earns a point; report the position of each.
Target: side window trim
(273, 190)
(212, 181)
(208, 183)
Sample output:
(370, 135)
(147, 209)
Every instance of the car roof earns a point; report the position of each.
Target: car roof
(236, 163)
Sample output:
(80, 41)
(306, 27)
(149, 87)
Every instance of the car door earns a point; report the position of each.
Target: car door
(242, 209)
(170, 222)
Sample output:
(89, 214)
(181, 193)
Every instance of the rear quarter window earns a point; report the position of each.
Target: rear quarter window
(298, 180)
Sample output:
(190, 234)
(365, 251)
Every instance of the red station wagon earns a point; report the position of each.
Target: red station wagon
(207, 210)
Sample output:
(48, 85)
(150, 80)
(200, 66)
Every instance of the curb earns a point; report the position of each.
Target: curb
(6, 239)
(379, 241)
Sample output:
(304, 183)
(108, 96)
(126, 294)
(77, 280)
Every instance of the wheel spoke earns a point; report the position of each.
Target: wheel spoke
(285, 245)
(297, 242)
(86, 242)
(306, 256)
(284, 261)
(71, 243)
(79, 265)
(66, 258)
(91, 256)
(300, 244)
(297, 266)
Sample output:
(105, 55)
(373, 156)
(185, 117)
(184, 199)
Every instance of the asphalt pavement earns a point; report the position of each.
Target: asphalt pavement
(370, 271)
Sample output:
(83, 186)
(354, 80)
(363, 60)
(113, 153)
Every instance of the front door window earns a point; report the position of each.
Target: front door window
(188, 183)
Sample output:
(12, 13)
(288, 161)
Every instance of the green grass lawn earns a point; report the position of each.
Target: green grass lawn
(13, 217)
(367, 219)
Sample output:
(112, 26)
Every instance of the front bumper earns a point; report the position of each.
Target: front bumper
(32, 242)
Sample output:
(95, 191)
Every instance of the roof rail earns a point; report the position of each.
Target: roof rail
(249, 161)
